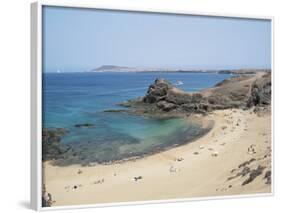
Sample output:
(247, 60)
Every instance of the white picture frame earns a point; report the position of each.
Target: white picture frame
(36, 96)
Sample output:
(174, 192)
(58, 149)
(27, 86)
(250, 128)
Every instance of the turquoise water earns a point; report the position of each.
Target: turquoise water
(75, 98)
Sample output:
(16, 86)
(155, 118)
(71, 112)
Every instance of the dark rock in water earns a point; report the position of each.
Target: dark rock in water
(51, 146)
(115, 110)
(100, 150)
(86, 125)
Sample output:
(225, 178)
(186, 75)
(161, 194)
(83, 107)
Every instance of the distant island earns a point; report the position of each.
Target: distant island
(114, 68)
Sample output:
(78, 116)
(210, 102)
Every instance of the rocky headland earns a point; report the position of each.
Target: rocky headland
(242, 92)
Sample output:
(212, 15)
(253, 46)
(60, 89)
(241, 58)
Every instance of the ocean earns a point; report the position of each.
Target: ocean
(78, 98)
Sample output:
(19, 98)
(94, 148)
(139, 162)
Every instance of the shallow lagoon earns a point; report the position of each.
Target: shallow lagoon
(75, 98)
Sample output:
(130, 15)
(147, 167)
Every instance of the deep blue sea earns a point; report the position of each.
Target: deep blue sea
(76, 98)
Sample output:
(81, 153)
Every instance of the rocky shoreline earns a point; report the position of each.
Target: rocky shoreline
(52, 148)
(82, 153)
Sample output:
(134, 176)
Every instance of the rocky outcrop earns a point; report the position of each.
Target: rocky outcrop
(260, 92)
(52, 149)
(157, 91)
(46, 198)
(168, 98)
(238, 92)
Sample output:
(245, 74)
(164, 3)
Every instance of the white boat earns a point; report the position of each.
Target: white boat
(179, 83)
(58, 71)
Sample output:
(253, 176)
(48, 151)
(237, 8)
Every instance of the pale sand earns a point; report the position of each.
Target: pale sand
(165, 178)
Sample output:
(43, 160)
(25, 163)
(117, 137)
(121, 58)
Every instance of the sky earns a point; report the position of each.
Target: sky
(76, 39)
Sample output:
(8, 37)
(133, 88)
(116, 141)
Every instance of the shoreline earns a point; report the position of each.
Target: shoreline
(63, 158)
(179, 172)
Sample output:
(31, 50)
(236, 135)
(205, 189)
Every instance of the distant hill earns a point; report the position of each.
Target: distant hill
(113, 68)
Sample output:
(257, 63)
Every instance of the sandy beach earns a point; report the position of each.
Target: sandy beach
(234, 158)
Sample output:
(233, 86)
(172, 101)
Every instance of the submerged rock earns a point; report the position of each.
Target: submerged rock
(87, 125)
(115, 110)
(51, 146)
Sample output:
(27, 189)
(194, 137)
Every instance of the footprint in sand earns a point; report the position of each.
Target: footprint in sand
(174, 169)
(223, 127)
(74, 187)
(77, 186)
(67, 188)
(137, 178)
(179, 159)
(224, 189)
(101, 181)
(215, 154)
(251, 150)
